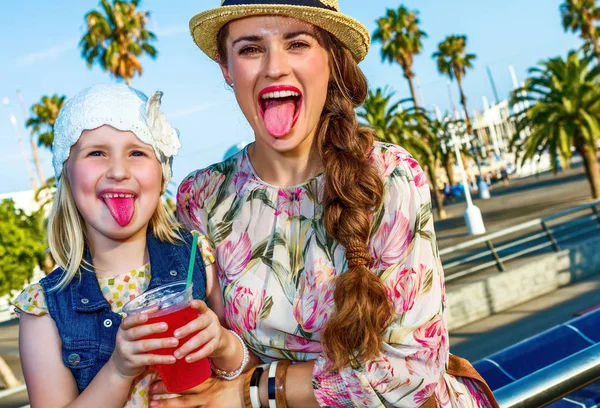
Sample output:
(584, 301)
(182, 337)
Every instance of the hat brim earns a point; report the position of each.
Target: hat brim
(205, 26)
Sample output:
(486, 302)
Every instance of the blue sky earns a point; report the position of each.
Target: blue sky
(39, 55)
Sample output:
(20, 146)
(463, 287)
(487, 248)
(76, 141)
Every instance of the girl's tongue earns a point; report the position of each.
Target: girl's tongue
(279, 116)
(121, 209)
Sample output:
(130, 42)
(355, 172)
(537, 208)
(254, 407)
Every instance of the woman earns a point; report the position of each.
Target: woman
(322, 240)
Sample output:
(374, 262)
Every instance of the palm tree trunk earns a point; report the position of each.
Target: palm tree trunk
(449, 166)
(409, 77)
(36, 158)
(463, 102)
(7, 376)
(592, 169)
(435, 192)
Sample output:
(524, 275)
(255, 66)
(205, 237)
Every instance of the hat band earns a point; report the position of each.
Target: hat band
(306, 3)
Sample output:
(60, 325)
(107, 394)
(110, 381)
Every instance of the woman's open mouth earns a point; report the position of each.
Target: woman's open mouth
(280, 107)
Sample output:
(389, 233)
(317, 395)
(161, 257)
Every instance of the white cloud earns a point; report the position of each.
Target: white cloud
(182, 113)
(172, 31)
(47, 54)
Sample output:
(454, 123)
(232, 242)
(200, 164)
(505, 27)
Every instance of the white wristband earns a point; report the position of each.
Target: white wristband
(271, 385)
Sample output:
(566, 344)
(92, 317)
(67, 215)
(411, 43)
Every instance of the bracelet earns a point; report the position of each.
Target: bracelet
(232, 375)
(271, 384)
(280, 376)
(254, 383)
(247, 400)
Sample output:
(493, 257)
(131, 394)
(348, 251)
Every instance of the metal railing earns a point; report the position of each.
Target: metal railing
(552, 382)
(531, 237)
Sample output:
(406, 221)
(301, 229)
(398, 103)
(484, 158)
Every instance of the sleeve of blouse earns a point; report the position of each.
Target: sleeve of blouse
(31, 301)
(415, 349)
(192, 196)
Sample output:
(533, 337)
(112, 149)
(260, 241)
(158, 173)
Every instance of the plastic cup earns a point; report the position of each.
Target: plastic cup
(171, 304)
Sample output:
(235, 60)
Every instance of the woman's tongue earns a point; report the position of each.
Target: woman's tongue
(279, 116)
(121, 209)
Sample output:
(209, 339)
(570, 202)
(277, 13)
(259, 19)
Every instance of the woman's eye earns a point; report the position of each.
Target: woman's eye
(249, 50)
(96, 153)
(138, 153)
(297, 45)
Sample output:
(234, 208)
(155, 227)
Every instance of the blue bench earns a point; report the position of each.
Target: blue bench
(539, 351)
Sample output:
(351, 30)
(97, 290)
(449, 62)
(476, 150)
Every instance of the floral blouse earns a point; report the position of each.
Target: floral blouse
(277, 269)
(117, 290)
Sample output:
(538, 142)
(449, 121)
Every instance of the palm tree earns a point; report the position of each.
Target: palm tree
(43, 118)
(117, 38)
(441, 148)
(400, 36)
(564, 113)
(581, 15)
(453, 61)
(406, 127)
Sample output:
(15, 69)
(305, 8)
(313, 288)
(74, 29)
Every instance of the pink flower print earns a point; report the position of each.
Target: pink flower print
(300, 344)
(432, 333)
(289, 201)
(233, 256)
(476, 393)
(423, 364)
(314, 303)
(442, 396)
(358, 391)
(322, 271)
(404, 286)
(242, 308)
(391, 240)
(240, 180)
(433, 336)
(385, 161)
(425, 393)
(383, 373)
(419, 176)
(205, 184)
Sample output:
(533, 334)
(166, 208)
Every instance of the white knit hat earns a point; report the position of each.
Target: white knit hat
(123, 108)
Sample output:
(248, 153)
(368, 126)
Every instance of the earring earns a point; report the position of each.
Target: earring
(231, 84)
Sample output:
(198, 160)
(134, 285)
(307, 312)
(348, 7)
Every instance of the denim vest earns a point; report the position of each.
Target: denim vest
(83, 317)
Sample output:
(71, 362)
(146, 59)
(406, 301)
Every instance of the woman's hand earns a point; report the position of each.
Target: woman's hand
(214, 392)
(212, 339)
(131, 355)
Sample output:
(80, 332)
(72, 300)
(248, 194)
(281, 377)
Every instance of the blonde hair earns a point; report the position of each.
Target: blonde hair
(67, 235)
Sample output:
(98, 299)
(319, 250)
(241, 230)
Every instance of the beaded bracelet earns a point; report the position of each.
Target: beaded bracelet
(232, 375)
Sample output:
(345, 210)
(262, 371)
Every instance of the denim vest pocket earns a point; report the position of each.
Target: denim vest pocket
(80, 356)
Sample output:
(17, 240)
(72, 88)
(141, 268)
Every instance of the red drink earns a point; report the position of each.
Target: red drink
(182, 375)
(171, 304)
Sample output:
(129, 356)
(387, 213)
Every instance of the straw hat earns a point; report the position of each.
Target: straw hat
(322, 13)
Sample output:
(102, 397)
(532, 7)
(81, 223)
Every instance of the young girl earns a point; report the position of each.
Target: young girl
(112, 239)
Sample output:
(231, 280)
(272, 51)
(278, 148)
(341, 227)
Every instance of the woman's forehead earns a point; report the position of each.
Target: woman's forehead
(268, 26)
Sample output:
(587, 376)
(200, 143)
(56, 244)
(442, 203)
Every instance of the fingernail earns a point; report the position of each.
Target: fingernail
(173, 342)
(177, 333)
(188, 359)
(163, 326)
(172, 359)
(178, 354)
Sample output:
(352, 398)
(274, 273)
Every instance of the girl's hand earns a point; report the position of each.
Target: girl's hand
(214, 392)
(131, 355)
(212, 338)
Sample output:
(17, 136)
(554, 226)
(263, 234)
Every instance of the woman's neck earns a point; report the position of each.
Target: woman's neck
(112, 257)
(284, 169)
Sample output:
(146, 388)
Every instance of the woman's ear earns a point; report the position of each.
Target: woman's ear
(226, 74)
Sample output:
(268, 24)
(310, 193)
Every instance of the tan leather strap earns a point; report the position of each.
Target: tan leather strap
(459, 367)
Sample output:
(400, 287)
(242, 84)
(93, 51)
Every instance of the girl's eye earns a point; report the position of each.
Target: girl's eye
(138, 153)
(249, 50)
(96, 153)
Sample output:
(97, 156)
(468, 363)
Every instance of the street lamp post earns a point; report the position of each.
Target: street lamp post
(473, 217)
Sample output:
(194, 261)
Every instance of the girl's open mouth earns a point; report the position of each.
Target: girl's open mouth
(280, 107)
